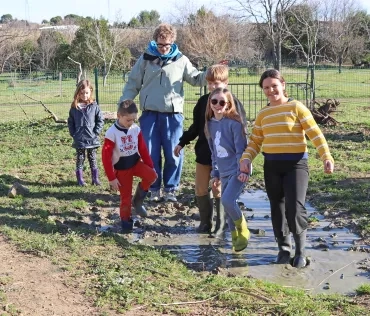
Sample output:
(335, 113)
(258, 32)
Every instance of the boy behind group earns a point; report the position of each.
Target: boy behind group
(217, 77)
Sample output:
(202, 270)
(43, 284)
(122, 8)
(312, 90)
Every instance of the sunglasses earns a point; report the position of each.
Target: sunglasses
(164, 45)
(220, 102)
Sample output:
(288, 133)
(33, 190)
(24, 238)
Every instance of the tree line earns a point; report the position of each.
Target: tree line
(250, 32)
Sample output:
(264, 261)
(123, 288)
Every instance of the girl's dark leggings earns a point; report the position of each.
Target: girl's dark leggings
(81, 156)
(286, 185)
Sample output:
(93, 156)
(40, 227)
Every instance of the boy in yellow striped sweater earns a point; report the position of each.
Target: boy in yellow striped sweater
(279, 132)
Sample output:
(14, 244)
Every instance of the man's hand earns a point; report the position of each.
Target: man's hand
(177, 150)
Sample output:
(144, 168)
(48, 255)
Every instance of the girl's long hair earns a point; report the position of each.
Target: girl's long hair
(231, 111)
(83, 84)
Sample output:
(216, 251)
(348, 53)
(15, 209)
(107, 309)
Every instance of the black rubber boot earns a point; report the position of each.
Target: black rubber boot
(138, 199)
(127, 226)
(220, 226)
(299, 260)
(285, 247)
(205, 212)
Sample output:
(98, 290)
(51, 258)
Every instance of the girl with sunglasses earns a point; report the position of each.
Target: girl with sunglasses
(209, 203)
(227, 140)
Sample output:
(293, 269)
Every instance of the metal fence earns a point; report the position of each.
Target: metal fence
(21, 94)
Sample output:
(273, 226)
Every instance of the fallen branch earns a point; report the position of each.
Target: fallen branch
(234, 289)
(207, 300)
(155, 271)
(55, 118)
(20, 105)
(335, 272)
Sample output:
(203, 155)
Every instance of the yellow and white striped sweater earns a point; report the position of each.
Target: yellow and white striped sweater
(281, 129)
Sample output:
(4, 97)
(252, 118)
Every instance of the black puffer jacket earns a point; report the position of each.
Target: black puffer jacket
(85, 126)
(202, 151)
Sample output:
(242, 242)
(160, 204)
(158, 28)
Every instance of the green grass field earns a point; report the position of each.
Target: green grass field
(117, 275)
(351, 88)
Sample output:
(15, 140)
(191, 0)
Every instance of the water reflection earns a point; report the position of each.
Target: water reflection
(327, 248)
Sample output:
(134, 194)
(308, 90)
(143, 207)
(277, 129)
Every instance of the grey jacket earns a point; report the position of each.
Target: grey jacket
(85, 126)
(160, 83)
(227, 142)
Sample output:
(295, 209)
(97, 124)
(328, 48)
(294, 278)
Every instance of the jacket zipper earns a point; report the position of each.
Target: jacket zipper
(145, 102)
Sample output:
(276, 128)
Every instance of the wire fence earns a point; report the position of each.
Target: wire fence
(21, 94)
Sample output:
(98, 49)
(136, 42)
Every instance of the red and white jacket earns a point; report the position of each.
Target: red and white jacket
(123, 148)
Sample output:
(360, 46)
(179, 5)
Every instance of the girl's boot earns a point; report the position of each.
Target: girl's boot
(243, 234)
(95, 177)
(205, 212)
(138, 199)
(285, 246)
(220, 218)
(80, 179)
(299, 260)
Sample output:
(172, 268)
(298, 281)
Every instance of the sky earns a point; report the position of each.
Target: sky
(114, 10)
(38, 10)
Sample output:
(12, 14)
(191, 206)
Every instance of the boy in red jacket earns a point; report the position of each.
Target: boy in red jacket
(124, 156)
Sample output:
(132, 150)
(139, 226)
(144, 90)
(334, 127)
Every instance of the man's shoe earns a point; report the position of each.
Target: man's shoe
(169, 197)
(155, 196)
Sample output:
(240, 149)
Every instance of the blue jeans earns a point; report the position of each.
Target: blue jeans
(231, 188)
(163, 130)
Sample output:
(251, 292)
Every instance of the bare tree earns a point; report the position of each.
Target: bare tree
(7, 53)
(303, 24)
(206, 37)
(243, 45)
(48, 42)
(268, 15)
(11, 34)
(137, 39)
(96, 44)
(341, 25)
(105, 48)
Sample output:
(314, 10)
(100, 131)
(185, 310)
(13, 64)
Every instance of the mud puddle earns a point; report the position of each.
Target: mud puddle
(339, 262)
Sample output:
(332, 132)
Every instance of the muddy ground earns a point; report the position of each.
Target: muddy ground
(34, 286)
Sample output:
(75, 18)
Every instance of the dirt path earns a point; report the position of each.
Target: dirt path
(34, 286)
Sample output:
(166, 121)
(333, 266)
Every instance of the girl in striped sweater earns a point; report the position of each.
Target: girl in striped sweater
(279, 132)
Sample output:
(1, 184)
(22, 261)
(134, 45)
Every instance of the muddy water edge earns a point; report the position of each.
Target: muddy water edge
(339, 259)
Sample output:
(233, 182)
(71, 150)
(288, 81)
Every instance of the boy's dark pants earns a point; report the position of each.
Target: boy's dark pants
(286, 184)
(125, 178)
